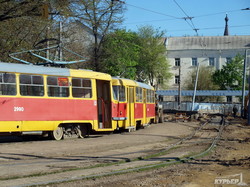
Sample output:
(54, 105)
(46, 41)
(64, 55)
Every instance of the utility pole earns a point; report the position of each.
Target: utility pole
(47, 42)
(45, 15)
(248, 105)
(179, 89)
(195, 86)
(243, 85)
(60, 54)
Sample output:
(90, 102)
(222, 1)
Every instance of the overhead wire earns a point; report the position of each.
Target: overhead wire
(191, 24)
(187, 18)
(154, 11)
(211, 28)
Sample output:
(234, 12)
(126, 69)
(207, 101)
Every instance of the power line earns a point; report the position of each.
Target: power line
(191, 24)
(211, 28)
(159, 20)
(187, 18)
(153, 11)
(212, 14)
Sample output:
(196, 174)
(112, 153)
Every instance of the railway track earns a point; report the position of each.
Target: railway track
(161, 158)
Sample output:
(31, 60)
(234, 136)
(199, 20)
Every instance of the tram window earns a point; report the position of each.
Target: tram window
(7, 84)
(31, 85)
(122, 96)
(115, 92)
(150, 96)
(81, 88)
(119, 93)
(58, 86)
(138, 94)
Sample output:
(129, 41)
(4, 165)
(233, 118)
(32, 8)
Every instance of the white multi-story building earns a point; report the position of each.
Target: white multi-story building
(184, 53)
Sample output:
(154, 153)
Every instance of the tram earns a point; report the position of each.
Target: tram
(63, 102)
(134, 103)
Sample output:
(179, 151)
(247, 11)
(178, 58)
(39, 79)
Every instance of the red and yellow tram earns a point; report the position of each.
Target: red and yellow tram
(65, 102)
(134, 103)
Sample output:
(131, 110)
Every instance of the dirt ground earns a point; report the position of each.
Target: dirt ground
(230, 161)
(45, 163)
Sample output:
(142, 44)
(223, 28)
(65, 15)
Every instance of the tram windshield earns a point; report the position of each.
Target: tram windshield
(119, 93)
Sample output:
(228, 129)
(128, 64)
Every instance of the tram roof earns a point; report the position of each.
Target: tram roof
(129, 82)
(143, 85)
(35, 69)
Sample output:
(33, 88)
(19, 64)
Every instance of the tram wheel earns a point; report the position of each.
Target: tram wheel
(82, 131)
(57, 134)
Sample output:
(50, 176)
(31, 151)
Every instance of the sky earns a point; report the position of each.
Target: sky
(208, 16)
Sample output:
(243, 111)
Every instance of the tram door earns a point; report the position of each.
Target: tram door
(104, 104)
(131, 106)
(144, 96)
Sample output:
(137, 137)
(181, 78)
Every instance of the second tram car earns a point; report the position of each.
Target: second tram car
(134, 103)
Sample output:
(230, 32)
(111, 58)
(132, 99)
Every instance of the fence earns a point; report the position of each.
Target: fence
(221, 108)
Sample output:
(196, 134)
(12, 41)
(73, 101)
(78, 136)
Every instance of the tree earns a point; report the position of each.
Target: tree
(121, 54)
(153, 64)
(101, 16)
(204, 82)
(10, 9)
(26, 24)
(139, 56)
(230, 76)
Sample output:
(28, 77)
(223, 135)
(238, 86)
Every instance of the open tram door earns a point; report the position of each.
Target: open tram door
(104, 104)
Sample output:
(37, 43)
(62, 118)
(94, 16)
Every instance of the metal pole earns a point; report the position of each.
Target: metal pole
(248, 106)
(47, 43)
(179, 89)
(195, 86)
(60, 41)
(243, 86)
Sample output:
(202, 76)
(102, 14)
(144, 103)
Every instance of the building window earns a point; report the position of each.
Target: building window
(160, 80)
(176, 98)
(194, 62)
(177, 62)
(228, 59)
(177, 79)
(211, 61)
(229, 99)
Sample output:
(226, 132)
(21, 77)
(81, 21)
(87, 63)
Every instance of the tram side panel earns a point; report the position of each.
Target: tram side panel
(34, 102)
(33, 114)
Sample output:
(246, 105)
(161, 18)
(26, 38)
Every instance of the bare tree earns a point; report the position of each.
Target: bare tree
(10, 9)
(100, 16)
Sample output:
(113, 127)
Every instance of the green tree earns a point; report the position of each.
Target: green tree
(153, 65)
(204, 82)
(140, 56)
(230, 76)
(120, 54)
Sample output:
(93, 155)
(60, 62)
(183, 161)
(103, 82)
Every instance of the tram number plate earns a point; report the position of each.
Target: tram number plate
(18, 109)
